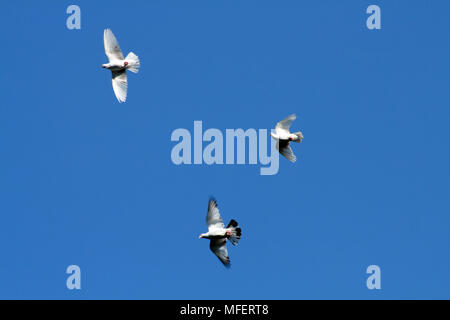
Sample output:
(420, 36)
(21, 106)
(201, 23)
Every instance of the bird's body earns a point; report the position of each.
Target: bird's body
(119, 65)
(287, 137)
(115, 65)
(218, 234)
(284, 137)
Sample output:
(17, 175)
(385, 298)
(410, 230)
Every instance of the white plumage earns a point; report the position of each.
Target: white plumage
(118, 65)
(218, 234)
(284, 137)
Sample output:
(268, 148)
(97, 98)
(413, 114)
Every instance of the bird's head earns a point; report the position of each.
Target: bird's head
(103, 66)
(201, 236)
(125, 64)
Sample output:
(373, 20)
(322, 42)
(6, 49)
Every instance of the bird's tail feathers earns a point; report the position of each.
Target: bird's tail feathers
(235, 232)
(133, 62)
(299, 136)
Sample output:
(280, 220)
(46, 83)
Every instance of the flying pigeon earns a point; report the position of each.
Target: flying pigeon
(118, 65)
(284, 137)
(218, 234)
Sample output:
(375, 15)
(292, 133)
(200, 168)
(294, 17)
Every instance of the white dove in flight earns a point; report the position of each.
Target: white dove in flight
(218, 234)
(118, 65)
(284, 137)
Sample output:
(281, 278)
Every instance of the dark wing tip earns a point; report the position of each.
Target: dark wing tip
(232, 223)
(226, 263)
(212, 202)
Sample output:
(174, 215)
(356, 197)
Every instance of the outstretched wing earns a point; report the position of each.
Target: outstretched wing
(213, 218)
(284, 148)
(284, 125)
(120, 85)
(219, 247)
(112, 48)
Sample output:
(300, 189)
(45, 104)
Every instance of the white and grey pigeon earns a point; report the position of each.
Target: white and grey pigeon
(118, 65)
(218, 234)
(284, 137)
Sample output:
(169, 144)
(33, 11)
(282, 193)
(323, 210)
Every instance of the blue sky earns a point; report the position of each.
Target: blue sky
(88, 181)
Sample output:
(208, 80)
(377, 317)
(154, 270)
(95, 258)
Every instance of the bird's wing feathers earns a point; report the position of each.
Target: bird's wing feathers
(285, 124)
(112, 48)
(219, 247)
(284, 148)
(120, 85)
(213, 218)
